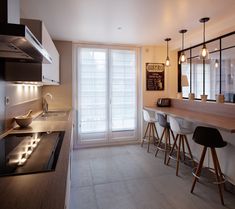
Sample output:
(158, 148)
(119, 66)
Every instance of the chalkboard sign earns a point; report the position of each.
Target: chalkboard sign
(155, 76)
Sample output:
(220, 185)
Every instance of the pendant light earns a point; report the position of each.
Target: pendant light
(167, 63)
(204, 53)
(216, 63)
(183, 58)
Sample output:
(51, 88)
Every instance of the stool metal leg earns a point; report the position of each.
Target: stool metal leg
(146, 130)
(160, 141)
(145, 133)
(178, 155)
(189, 150)
(150, 131)
(199, 168)
(167, 141)
(156, 131)
(214, 157)
(183, 141)
(172, 149)
(219, 169)
(173, 136)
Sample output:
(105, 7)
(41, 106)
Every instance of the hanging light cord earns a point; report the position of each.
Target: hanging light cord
(167, 48)
(182, 41)
(204, 33)
(204, 20)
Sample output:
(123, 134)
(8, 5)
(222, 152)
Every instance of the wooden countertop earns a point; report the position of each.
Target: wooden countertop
(40, 190)
(218, 121)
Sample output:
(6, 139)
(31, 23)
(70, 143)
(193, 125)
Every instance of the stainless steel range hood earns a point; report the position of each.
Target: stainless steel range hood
(17, 43)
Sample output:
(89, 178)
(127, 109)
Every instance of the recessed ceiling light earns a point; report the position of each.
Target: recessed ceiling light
(119, 28)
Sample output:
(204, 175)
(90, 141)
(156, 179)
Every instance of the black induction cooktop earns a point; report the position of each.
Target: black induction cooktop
(28, 153)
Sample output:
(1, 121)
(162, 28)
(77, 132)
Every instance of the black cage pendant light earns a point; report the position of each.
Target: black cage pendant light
(167, 63)
(183, 58)
(204, 53)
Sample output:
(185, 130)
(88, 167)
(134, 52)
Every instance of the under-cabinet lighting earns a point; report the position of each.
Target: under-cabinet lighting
(29, 83)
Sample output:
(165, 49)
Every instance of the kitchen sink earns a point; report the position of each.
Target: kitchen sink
(54, 115)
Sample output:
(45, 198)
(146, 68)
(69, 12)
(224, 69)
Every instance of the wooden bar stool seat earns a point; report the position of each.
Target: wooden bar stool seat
(181, 130)
(151, 130)
(209, 138)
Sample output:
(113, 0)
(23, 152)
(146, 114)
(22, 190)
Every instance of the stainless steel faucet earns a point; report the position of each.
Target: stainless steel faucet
(45, 103)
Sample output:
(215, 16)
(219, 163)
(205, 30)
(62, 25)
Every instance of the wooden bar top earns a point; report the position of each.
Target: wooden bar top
(218, 121)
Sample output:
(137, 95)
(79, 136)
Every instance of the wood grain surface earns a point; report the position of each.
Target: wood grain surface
(41, 190)
(203, 117)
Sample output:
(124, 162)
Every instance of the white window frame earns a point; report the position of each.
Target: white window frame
(119, 140)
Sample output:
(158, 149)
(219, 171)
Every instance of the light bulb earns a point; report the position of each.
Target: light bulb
(216, 63)
(182, 58)
(167, 63)
(204, 53)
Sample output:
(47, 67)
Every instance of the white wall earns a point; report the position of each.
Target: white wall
(157, 54)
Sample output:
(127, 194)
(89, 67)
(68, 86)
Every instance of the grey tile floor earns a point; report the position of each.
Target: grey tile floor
(127, 177)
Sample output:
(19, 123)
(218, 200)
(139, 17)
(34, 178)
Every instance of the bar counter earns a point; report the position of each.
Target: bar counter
(221, 122)
(209, 114)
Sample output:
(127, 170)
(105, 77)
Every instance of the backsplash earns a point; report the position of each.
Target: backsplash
(20, 98)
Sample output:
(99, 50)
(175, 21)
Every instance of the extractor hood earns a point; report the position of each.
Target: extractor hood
(17, 43)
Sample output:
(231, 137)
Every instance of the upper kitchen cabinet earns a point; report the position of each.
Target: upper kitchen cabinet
(48, 74)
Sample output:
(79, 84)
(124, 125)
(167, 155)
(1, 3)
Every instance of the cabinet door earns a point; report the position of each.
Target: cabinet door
(50, 72)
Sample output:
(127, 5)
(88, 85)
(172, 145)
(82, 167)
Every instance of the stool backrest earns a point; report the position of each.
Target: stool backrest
(174, 124)
(162, 120)
(209, 137)
(146, 115)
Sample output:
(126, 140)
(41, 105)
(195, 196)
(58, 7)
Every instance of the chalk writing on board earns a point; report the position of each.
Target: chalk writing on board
(155, 76)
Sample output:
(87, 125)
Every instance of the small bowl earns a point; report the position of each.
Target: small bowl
(23, 121)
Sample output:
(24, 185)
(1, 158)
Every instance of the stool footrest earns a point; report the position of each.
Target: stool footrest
(162, 147)
(209, 171)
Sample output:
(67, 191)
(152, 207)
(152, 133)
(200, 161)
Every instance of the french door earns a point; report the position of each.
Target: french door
(107, 95)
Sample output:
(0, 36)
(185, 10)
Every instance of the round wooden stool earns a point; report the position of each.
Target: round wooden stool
(209, 138)
(151, 129)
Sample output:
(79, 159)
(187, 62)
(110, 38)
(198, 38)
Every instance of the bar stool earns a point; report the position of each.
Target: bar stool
(209, 138)
(151, 129)
(181, 130)
(162, 120)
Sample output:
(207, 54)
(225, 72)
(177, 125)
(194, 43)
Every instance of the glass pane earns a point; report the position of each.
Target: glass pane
(213, 76)
(123, 82)
(93, 90)
(211, 46)
(228, 74)
(228, 41)
(185, 70)
(195, 51)
(209, 79)
(197, 77)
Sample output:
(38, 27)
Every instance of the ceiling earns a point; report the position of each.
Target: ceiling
(132, 22)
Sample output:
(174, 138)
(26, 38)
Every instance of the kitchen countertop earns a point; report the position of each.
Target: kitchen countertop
(41, 190)
(217, 121)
